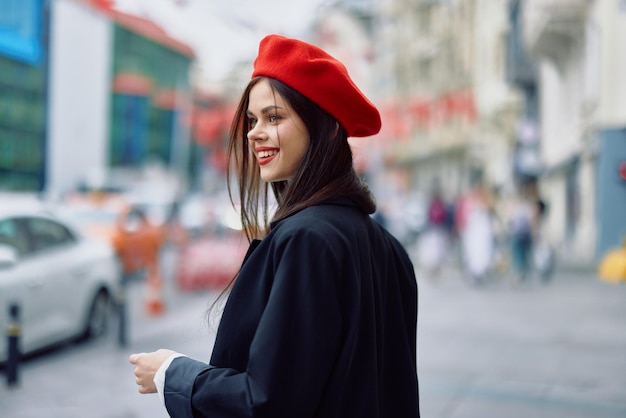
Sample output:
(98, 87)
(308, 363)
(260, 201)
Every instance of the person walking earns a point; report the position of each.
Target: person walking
(474, 217)
(522, 228)
(321, 319)
(434, 240)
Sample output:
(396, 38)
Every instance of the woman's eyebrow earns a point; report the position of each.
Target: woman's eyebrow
(265, 110)
(270, 108)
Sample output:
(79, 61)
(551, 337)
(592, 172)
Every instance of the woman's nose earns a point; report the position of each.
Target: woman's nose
(256, 134)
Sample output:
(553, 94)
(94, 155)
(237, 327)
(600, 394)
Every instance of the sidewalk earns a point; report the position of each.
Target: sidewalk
(531, 350)
(502, 350)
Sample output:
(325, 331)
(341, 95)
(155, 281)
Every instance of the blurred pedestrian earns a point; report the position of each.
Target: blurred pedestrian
(499, 207)
(137, 244)
(321, 320)
(434, 240)
(521, 229)
(174, 231)
(543, 257)
(474, 214)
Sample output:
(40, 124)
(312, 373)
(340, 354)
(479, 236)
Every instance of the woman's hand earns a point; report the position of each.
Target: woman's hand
(147, 364)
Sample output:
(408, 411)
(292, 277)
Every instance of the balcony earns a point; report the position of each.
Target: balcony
(550, 26)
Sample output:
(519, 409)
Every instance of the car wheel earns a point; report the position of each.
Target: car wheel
(98, 320)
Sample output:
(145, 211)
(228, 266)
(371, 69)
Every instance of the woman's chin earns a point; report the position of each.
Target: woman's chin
(273, 178)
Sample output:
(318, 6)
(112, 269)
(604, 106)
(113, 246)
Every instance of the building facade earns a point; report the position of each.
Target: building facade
(447, 108)
(578, 47)
(79, 77)
(89, 91)
(24, 32)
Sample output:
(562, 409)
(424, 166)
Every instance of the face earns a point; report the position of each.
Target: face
(277, 135)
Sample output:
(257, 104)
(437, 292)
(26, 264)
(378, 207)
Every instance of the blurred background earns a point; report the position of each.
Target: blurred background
(114, 116)
(117, 94)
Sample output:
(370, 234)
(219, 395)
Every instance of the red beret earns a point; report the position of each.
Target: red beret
(321, 78)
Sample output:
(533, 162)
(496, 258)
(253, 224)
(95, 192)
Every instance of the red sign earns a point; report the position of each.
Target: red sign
(622, 170)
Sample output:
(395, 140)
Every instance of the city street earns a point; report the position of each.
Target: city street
(502, 350)
(491, 136)
(530, 350)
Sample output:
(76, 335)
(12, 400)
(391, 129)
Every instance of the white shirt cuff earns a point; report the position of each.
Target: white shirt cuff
(159, 377)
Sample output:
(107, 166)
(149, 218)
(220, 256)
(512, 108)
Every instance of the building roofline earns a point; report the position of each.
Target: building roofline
(140, 25)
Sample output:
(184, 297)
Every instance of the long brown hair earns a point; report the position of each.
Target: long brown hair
(325, 172)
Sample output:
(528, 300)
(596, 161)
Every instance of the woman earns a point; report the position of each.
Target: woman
(433, 242)
(475, 226)
(321, 320)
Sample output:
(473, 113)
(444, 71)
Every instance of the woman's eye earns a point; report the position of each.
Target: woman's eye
(251, 122)
(273, 118)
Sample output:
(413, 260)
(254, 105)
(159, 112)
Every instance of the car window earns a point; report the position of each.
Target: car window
(46, 234)
(12, 234)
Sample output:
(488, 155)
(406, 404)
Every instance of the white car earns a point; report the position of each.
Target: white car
(62, 281)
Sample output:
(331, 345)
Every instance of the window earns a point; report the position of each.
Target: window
(47, 234)
(11, 234)
(23, 87)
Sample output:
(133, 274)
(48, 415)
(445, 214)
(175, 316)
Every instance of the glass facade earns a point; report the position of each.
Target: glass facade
(142, 129)
(23, 93)
(160, 134)
(129, 116)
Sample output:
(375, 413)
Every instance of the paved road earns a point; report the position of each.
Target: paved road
(533, 350)
(503, 350)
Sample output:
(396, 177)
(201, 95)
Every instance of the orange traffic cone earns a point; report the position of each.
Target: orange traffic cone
(154, 305)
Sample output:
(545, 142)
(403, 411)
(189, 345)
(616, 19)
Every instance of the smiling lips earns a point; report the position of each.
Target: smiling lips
(266, 155)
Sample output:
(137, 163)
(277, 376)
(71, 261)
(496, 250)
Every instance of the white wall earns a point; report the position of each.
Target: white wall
(489, 77)
(494, 97)
(80, 67)
(561, 103)
(568, 92)
(610, 17)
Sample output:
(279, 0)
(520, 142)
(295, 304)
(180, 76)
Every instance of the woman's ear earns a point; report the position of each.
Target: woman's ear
(338, 128)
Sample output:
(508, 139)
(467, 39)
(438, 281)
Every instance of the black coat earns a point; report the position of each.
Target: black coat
(321, 322)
